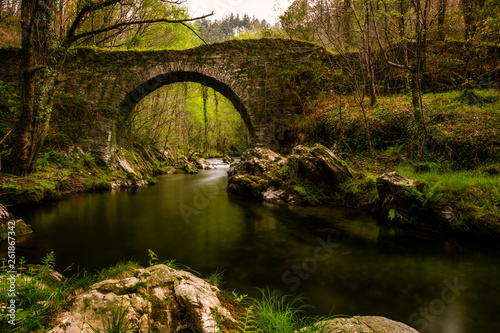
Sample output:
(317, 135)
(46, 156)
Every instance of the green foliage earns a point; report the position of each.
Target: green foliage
(57, 159)
(216, 278)
(116, 322)
(312, 194)
(237, 297)
(358, 192)
(248, 322)
(153, 258)
(233, 26)
(9, 105)
(475, 195)
(470, 97)
(49, 261)
(121, 269)
(143, 36)
(39, 296)
(296, 21)
(274, 314)
(188, 116)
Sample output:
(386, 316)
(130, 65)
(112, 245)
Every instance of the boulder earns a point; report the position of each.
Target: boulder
(396, 202)
(392, 182)
(227, 159)
(185, 165)
(320, 166)
(255, 172)
(357, 324)
(7, 222)
(201, 163)
(306, 177)
(155, 299)
(257, 161)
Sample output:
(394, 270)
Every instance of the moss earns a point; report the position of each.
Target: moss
(311, 195)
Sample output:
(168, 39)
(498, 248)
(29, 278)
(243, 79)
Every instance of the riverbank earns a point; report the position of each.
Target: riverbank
(460, 166)
(59, 174)
(457, 175)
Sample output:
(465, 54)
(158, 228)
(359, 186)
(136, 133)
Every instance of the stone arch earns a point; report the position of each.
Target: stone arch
(132, 98)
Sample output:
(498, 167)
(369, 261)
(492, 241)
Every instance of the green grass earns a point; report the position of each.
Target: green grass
(279, 314)
(39, 297)
(474, 195)
(120, 270)
(452, 181)
(216, 278)
(117, 322)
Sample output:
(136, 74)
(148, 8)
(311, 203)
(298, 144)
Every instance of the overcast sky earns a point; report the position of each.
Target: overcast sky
(262, 9)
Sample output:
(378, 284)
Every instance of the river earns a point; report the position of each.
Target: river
(340, 260)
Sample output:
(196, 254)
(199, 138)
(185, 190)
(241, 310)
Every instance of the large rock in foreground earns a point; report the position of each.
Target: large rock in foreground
(367, 324)
(155, 299)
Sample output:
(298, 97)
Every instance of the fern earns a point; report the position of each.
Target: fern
(412, 193)
(248, 322)
(432, 196)
(393, 214)
(49, 260)
(153, 258)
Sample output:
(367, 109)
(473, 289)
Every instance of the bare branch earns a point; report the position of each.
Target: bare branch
(194, 32)
(70, 34)
(71, 37)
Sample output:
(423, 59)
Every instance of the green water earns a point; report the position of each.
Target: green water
(340, 260)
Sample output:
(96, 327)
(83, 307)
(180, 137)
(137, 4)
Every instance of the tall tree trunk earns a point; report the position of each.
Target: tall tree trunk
(18, 160)
(32, 124)
(442, 5)
(403, 7)
(370, 71)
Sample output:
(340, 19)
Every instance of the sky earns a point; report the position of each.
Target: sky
(262, 9)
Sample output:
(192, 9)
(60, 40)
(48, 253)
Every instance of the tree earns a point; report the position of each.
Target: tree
(38, 39)
(442, 6)
(412, 38)
(297, 21)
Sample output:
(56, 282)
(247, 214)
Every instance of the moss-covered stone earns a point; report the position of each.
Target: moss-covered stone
(166, 300)
(307, 177)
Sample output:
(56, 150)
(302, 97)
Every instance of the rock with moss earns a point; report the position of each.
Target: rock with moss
(392, 182)
(255, 172)
(9, 224)
(227, 159)
(186, 166)
(201, 163)
(357, 324)
(306, 177)
(155, 299)
(130, 168)
(400, 197)
(320, 166)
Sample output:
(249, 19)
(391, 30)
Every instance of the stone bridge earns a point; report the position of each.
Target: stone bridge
(267, 80)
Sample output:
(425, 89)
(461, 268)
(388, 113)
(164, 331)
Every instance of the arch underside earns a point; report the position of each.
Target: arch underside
(137, 94)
